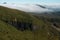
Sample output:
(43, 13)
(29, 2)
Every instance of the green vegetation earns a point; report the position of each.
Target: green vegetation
(43, 23)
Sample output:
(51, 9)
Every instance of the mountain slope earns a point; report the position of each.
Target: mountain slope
(9, 32)
(44, 30)
(12, 14)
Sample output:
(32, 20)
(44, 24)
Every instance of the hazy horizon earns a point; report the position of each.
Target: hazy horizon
(25, 5)
(43, 2)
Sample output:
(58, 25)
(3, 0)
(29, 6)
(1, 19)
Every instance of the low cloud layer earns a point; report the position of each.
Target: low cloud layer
(29, 7)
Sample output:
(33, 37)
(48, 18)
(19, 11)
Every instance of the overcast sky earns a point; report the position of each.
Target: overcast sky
(31, 1)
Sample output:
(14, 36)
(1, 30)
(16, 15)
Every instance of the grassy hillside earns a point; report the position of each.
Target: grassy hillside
(12, 14)
(8, 32)
(44, 30)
